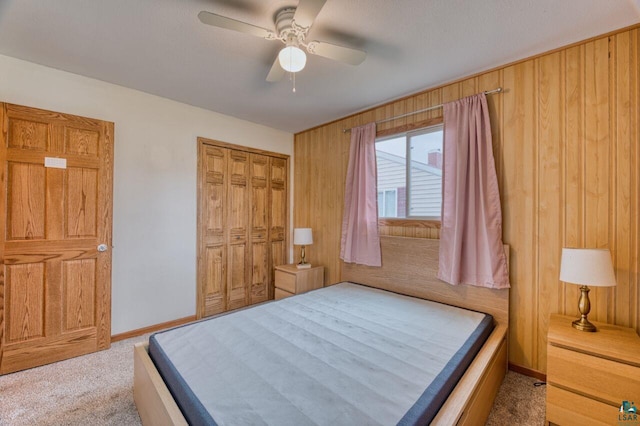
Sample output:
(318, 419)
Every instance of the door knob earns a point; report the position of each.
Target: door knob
(102, 247)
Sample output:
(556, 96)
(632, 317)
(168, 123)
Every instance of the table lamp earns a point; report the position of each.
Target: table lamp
(586, 267)
(302, 237)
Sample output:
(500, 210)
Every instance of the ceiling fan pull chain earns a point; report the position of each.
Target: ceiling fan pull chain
(292, 79)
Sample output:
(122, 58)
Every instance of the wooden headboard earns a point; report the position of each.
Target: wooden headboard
(409, 266)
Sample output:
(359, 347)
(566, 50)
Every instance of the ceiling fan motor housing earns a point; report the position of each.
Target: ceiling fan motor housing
(288, 31)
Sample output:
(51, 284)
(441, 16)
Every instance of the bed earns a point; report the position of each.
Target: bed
(409, 269)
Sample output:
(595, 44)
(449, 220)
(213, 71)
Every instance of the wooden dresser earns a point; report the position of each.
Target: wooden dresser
(290, 280)
(589, 375)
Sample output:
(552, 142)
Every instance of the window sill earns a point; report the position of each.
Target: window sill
(409, 223)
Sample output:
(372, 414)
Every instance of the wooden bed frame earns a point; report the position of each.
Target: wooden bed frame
(409, 267)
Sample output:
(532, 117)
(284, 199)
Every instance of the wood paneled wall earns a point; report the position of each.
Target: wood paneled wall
(565, 138)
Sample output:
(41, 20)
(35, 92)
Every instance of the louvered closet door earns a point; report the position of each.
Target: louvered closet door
(278, 207)
(223, 258)
(238, 205)
(212, 262)
(242, 222)
(260, 186)
(55, 295)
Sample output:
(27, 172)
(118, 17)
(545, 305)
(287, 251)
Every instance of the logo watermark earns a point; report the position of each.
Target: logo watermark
(628, 414)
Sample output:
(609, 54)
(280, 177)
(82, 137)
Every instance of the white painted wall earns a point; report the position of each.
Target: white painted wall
(154, 200)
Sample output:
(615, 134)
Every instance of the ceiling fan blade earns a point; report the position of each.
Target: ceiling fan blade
(231, 24)
(276, 73)
(337, 53)
(307, 11)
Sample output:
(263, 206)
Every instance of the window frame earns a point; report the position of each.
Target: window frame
(424, 127)
(384, 201)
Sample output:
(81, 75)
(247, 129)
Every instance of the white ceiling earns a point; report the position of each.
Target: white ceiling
(160, 47)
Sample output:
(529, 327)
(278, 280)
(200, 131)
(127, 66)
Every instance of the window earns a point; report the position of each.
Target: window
(387, 203)
(410, 174)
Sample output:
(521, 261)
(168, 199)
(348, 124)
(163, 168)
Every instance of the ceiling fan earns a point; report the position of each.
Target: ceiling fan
(292, 24)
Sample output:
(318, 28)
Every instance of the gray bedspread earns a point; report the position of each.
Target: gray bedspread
(345, 354)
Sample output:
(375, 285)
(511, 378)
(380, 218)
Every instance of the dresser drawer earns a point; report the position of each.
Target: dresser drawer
(600, 378)
(285, 281)
(281, 294)
(569, 409)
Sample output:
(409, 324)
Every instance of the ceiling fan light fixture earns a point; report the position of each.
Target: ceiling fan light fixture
(292, 59)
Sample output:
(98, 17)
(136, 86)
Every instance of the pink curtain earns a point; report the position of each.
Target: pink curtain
(471, 250)
(360, 239)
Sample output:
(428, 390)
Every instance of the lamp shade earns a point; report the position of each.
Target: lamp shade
(292, 59)
(591, 267)
(302, 236)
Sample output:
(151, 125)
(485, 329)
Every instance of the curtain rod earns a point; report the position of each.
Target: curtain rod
(488, 92)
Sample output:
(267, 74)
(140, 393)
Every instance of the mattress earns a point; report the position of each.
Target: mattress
(345, 354)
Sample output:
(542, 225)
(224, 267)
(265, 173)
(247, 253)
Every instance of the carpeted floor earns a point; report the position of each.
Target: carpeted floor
(96, 390)
(519, 402)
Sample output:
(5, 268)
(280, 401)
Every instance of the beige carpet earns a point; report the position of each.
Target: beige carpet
(96, 389)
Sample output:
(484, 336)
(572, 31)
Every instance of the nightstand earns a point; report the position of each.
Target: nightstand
(290, 280)
(590, 375)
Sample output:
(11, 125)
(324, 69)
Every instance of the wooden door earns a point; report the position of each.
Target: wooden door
(260, 186)
(238, 277)
(56, 209)
(212, 250)
(242, 222)
(278, 216)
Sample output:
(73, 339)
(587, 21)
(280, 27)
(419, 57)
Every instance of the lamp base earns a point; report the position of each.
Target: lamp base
(583, 324)
(303, 266)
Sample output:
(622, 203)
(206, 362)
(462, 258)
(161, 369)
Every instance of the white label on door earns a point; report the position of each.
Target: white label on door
(56, 163)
